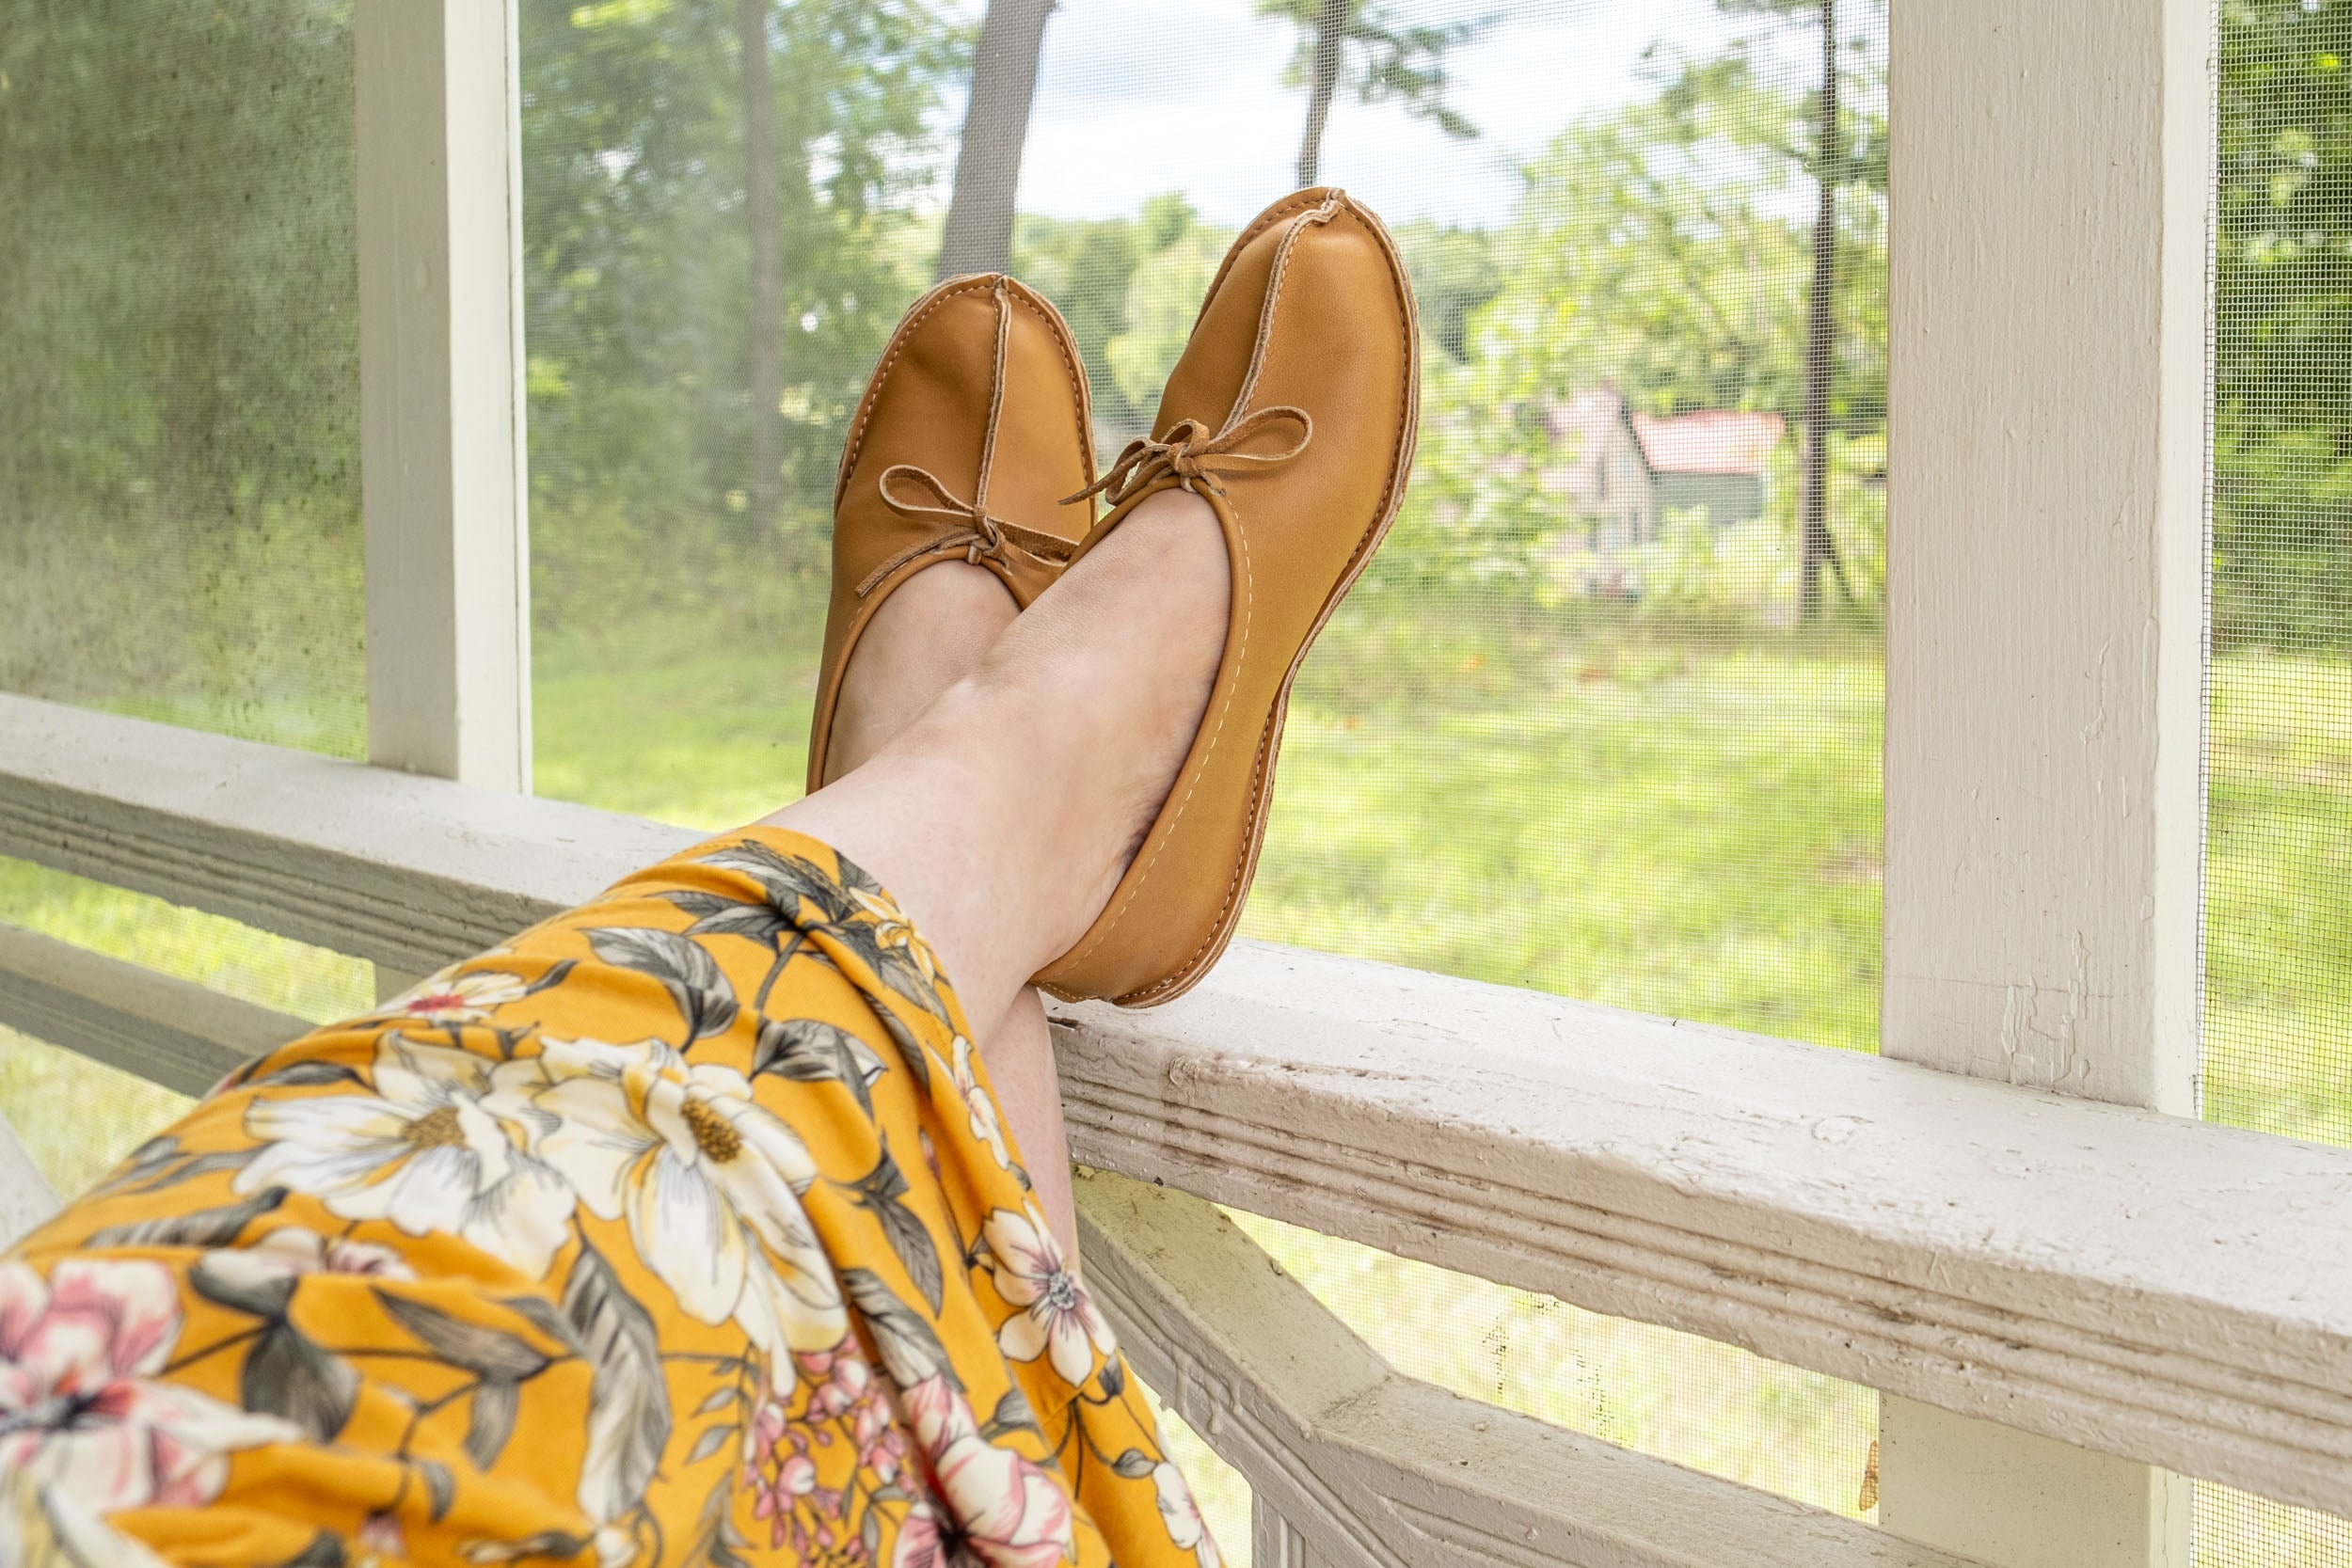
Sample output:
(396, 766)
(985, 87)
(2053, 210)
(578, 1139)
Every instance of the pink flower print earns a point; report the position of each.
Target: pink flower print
(80, 1410)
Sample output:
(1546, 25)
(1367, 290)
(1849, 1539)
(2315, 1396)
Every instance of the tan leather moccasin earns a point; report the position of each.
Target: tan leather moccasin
(1293, 413)
(971, 438)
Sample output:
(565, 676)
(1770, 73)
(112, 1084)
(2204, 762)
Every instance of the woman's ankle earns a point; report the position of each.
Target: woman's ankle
(1109, 674)
(1006, 814)
(926, 637)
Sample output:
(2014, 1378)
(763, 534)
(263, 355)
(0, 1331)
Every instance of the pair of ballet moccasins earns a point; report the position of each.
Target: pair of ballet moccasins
(1292, 413)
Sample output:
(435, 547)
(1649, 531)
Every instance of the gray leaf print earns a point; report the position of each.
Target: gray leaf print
(810, 1051)
(489, 1353)
(910, 1350)
(786, 878)
(711, 1442)
(492, 1420)
(629, 1406)
(289, 1375)
(703, 995)
(882, 1192)
(205, 1227)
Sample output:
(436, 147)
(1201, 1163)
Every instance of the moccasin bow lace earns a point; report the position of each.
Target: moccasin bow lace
(978, 534)
(1195, 456)
(979, 368)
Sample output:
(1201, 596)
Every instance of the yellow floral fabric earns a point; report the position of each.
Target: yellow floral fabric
(682, 1229)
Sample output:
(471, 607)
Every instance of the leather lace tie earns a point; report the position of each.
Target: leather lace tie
(979, 535)
(1195, 456)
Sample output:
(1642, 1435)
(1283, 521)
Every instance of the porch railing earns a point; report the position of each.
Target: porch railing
(2140, 1284)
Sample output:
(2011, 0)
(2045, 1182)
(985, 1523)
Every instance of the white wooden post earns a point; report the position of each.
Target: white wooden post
(2050, 180)
(440, 384)
(441, 453)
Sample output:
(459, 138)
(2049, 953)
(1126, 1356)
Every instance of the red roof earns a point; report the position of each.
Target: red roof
(1715, 441)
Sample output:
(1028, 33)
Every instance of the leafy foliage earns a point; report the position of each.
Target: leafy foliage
(1653, 252)
(2282, 346)
(638, 261)
(181, 305)
(1386, 58)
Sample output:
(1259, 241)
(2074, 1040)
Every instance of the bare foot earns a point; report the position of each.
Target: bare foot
(1005, 815)
(926, 636)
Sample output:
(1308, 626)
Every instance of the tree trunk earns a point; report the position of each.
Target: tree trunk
(1819, 550)
(764, 335)
(978, 237)
(1323, 85)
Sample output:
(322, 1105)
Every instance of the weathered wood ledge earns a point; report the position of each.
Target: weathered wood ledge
(2174, 1291)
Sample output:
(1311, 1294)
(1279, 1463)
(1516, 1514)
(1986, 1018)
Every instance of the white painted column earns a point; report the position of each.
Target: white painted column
(441, 390)
(2050, 189)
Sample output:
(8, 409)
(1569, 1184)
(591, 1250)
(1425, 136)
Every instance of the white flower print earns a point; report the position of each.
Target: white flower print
(83, 1416)
(450, 997)
(894, 931)
(1057, 1318)
(978, 1104)
(708, 1181)
(1182, 1515)
(434, 1146)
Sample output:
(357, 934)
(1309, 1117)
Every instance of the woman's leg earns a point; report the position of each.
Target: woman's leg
(677, 1227)
(926, 637)
(1002, 817)
(931, 631)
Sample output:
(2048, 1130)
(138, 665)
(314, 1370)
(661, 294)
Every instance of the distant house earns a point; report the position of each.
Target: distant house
(1714, 459)
(1603, 469)
(1627, 470)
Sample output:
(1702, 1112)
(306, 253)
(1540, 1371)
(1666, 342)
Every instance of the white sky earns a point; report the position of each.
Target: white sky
(1135, 97)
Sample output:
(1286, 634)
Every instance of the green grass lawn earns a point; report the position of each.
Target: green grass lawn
(1510, 801)
(77, 1119)
(1681, 824)
(2278, 898)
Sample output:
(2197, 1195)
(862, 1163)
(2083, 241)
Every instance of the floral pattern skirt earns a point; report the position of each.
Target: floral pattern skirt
(682, 1229)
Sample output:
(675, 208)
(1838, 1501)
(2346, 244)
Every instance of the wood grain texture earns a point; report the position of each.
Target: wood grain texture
(2045, 613)
(2045, 633)
(2121, 1280)
(1353, 1464)
(442, 454)
(165, 1029)
(2116, 1278)
(404, 870)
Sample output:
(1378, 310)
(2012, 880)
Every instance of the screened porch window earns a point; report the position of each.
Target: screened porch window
(1606, 719)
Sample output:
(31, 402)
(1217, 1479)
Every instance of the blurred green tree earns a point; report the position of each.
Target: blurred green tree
(1826, 160)
(708, 278)
(1365, 44)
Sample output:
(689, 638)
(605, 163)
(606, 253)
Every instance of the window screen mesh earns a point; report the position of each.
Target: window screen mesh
(77, 1117)
(2277, 997)
(179, 454)
(178, 462)
(1579, 727)
(1605, 717)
